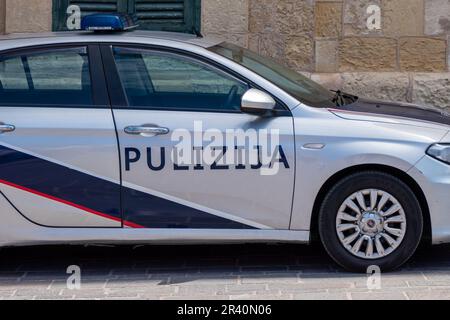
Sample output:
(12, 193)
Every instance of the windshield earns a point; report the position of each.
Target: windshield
(297, 85)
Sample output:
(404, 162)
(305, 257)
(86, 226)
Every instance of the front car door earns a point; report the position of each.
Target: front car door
(190, 158)
(59, 162)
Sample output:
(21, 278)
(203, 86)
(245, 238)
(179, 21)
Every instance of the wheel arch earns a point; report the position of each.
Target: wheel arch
(403, 176)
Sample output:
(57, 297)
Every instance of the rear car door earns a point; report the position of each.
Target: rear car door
(174, 99)
(59, 162)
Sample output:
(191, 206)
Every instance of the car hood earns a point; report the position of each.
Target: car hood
(396, 112)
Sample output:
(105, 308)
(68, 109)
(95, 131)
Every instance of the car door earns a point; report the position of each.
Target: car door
(59, 161)
(190, 158)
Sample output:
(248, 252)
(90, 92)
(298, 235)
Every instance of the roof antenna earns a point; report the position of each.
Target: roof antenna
(196, 32)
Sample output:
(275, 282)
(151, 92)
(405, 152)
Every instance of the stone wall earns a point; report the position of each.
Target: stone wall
(2, 15)
(407, 58)
(27, 15)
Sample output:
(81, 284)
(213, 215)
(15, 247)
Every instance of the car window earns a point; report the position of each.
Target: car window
(154, 79)
(296, 84)
(56, 77)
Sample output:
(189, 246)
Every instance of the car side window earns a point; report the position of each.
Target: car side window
(161, 80)
(47, 77)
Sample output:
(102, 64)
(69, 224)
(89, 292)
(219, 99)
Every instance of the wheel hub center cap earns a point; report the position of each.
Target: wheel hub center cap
(371, 223)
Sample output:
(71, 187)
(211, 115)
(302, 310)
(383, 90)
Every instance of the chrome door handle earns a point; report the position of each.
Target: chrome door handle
(7, 128)
(138, 130)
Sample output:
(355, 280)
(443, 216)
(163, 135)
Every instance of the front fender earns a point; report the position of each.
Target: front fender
(313, 175)
(347, 144)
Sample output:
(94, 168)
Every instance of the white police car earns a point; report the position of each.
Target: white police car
(150, 137)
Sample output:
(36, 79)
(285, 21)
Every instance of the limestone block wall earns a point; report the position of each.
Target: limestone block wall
(26, 15)
(387, 49)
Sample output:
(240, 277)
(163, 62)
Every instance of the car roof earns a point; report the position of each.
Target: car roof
(189, 42)
(204, 42)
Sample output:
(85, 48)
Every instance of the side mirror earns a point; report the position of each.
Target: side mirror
(257, 102)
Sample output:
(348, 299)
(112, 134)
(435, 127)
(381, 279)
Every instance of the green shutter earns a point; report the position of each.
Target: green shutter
(167, 15)
(87, 7)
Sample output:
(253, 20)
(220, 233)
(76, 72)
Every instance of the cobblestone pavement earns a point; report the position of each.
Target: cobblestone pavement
(211, 272)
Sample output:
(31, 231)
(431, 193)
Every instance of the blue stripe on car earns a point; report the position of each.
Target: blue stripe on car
(103, 196)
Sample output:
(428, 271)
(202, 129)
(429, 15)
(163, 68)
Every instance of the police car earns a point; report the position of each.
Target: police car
(152, 137)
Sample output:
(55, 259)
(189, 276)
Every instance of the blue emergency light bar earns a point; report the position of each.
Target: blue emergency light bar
(109, 22)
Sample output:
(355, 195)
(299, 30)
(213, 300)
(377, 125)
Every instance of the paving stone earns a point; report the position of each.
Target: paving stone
(244, 289)
(268, 280)
(384, 284)
(7, 293)
(300, 287)
(311, 296)
(205, 289)
(436, 275)
(194, 298)
(132, 283)
(195, 280)
(318, 279)
(36, 292)
(429, 284)
(434, 294)
(378, 296)
(325, 284)
(261, 297)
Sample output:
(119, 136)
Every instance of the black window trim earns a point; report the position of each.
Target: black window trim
(99, 92)
(120, 101)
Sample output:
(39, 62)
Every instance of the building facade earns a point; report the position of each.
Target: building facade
(387, 49)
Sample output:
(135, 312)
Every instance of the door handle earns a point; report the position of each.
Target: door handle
(143, 130)
(4, 128)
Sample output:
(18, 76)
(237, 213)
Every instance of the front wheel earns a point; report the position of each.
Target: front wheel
(370, 219)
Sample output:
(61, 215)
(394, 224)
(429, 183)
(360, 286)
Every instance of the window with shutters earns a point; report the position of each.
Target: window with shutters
(161, 15)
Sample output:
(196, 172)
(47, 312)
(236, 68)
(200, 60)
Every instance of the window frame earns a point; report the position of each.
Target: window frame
(192, 16)
(182, 58)
(99, 92)
(119, 98)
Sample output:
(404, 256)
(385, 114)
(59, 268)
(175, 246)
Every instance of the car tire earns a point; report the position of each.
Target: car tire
(379, 247)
